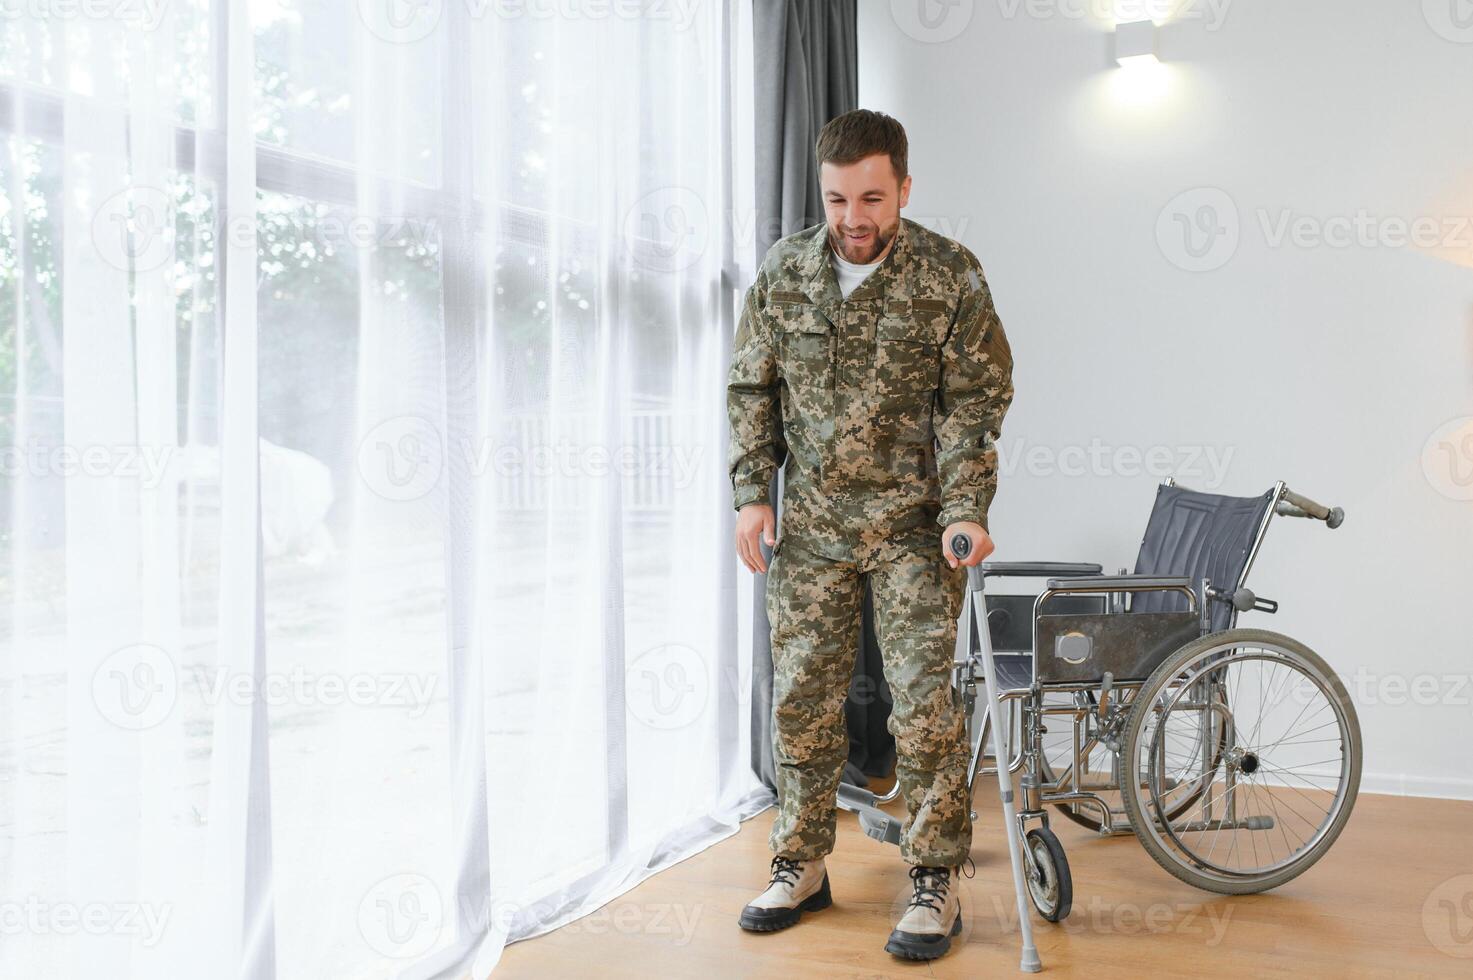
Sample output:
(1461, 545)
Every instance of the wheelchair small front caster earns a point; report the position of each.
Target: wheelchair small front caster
(1049, 884)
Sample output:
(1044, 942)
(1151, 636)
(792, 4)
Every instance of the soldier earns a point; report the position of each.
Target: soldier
(869, 362)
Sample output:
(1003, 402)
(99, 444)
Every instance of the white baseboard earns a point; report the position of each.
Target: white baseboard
(1401, 784)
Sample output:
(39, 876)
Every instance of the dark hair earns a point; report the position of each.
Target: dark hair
(861, 133)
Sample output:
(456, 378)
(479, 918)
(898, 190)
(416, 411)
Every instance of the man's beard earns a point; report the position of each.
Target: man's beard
(867, 252)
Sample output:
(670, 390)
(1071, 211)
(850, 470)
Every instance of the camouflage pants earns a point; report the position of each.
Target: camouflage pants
(814, 606)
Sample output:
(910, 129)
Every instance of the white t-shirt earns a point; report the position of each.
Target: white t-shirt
(851, 275)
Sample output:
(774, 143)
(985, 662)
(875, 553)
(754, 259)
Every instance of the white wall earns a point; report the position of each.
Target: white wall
(1328, 367)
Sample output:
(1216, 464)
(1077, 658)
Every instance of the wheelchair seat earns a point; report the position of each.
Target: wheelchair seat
(1190, 536)
(1014, 671)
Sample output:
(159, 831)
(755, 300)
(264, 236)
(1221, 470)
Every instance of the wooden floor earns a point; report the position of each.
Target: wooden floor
(1393, 897)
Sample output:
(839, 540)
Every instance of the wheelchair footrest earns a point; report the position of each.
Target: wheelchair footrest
(880, 825)
(1103, 780)
(852, 797)
(873, 821)
(1256, 822)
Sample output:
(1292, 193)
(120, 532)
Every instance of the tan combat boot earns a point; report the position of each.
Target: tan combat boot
(933, 916)
(796, 887)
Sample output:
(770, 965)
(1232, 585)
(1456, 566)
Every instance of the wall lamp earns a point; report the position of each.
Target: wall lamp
(1135, 44)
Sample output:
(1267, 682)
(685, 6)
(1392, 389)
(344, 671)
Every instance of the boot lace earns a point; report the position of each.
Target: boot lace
(929, 883)
(932, 883)
(783, 867)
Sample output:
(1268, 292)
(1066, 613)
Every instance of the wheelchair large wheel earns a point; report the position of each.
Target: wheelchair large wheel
(1268, 807)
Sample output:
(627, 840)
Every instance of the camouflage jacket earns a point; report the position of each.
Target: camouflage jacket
(883, 408)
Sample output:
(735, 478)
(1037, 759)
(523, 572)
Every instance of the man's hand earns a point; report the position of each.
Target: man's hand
(754, 521)
(982, 545)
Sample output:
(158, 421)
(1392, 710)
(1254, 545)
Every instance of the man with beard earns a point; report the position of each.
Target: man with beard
(870, 364)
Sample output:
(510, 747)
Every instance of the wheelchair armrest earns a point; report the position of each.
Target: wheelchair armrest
(1037, 569)
(1120, 583)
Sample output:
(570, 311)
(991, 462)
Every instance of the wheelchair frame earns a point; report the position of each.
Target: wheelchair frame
(1107, 714)
(1101, 708)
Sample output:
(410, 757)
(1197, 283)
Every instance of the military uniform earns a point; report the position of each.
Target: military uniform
(884, 409)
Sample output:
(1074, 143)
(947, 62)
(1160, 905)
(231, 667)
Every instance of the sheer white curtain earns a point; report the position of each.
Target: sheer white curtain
(366, 583)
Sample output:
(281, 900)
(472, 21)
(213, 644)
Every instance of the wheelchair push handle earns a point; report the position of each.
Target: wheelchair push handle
(1292, 504)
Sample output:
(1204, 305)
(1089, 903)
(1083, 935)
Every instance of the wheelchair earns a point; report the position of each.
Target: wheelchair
(1133, 703)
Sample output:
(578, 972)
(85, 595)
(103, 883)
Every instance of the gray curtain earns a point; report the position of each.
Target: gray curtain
(806, 71)
(805, 55)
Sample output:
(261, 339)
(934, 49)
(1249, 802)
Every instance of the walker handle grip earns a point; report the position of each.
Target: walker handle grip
(961, 546)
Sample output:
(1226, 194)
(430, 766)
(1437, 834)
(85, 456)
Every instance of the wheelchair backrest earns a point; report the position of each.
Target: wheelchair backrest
(1199, 535)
